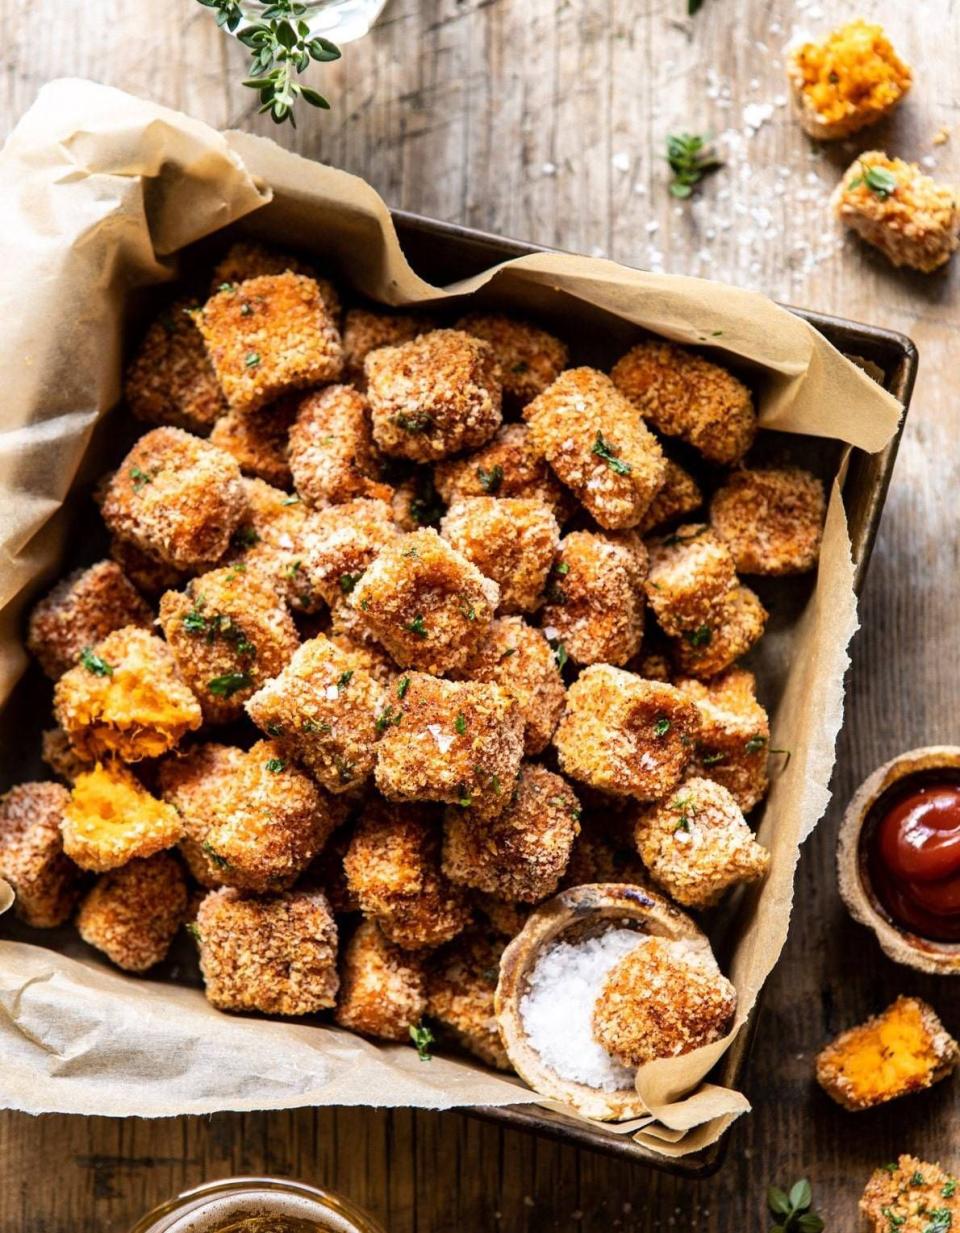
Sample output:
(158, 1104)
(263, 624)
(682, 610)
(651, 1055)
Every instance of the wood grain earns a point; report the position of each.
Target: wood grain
(545, 119)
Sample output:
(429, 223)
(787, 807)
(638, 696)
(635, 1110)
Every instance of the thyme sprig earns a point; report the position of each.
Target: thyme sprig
(792, 1209)
(691, 157)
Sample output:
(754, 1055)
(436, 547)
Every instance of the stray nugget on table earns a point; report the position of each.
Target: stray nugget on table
(519, 659)
(111, 819)
(366, 330)
(258, 440)
(662, 999)
(597, 445)
(696, 843)
(594, 597)
(902, 1050)
(125, 697)
(848, 80)
(691, 573)
(170, 379)
(511, 540)
(892, 205)
(734, 735)
(433, 396)
(229, 632)
(269, 336)
(247, 259)
(771, 519)
(683, 395)
(522, 853)
(382, 989)
(735, 625)
(80, 611)
(429, 606)
(910, 1196)
(530, 358)
(332, 457)
(624, 735)
(393, 868)
(277, 954)
(678, 496)
(507, 466)
(177, 498)
(457, 742)
(326, 711)
(133, 914)
(461, 981)
(46, 883)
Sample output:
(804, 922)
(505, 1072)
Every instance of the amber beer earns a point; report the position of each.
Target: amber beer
(257, 1205)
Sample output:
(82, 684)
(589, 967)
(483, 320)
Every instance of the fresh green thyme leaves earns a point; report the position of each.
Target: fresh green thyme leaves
(423, 1038)
(348, 582)
(662, 726)
(691, 157)
(491, 480)
(415, 423)
(755, 744)
(701, 636)
(460, 723)
(417, 626)
(93, 663)
(402, 686)
(227, 685)
(881, 182)
(252, 360)
(275, 765)
(793, 1209)
(389, 717)
(140, 478)
(610, 455)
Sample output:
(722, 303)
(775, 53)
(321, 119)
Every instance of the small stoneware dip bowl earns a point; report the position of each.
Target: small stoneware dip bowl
(915, 769)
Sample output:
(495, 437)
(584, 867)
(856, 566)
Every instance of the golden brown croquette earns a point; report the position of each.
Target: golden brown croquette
(734, 734)
(332, 456)
(507, 466)
(258, 440)
(511, 540)
(133, 914)
(46, 883)
(678, 496)
(342, 542)
(194, 783)
(366, 330)
(382, 989)
(148, 574)
(60, 755)
(247, 259)
(771, 520)
(908, 1195)
(111, 819)
(733, 629)
(461, 981)
(691, 573)
(530, 358)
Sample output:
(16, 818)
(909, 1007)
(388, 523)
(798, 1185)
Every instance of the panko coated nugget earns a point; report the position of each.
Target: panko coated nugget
(393, 867)
(80, 611)
(332, 457)
(269, 336)
(624, 735)
(230, 633)
(691, 573)
(511, 540)
(328, 874)
(907, 1196)
(522, 853)
(194, 783)
(519, 659)
(382, 991)
(125, 697)
(60, 755)
(368, 655)
(456, 742)
(508, 466)
(696, 844)
(46, 883)
(772, 520)
(734, 734)
(733, 629)
(530, 358)
(246, 259)
(595, 600)
(326, 711)
(461, 981)
(277, 955)
(434, 396)
(365, 330)
(598, 446)
(111, 819)
(170, 379)
(429, 606)
(133, 914)
(662, 1000)
(148, 574)
(177, 498)
(678, 496)
(258, 440)
(342, 543)
(683, 395)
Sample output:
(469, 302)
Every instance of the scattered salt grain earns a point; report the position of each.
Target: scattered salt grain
(621, 162)
(755, 115)
(444, 739)
(549, 169)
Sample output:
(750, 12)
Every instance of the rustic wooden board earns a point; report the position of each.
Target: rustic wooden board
(544, 119)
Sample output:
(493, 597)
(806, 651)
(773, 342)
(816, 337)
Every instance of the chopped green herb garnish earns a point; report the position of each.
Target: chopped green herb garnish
(491, 480)
(949, 1189)
(344, 679)
(140, 478)
(220, 861)
(227, 287)
(389, 717)
(194, 930)
(348, 582)
(95, 664)
(417, 626)
(274, 730)
(195, 622)
(662, 726)
(559, 653)
(252, 360)
(466, 609)
(402, 686)
(712, 759)
(701, 636)
(940, 1220)
(416, 422)
(691, 157)
(275, 765)
(245, 537)
(228, 684)
(610, 455)
(917, 1179)
(423, 1038)
(460, 723)
(755, 744)
(238, 569)
(294, 568)
(511, 650)
(294, 500)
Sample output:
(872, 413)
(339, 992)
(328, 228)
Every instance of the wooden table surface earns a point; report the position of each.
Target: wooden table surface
(545, 120)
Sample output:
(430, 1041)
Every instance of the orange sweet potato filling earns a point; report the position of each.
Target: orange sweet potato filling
(893, 1054)
(856, 65)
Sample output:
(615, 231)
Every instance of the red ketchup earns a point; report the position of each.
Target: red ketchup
(914, 859)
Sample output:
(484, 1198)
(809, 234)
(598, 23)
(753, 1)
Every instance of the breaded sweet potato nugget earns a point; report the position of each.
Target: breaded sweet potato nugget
(530, 358)
(326, 711)
(111, 819)
(461, 981)
(170, 379)
(433, 396)
(594, 598)
(277, 955)
(366, 330)
(597, 445)
(148, 574)
(507, 466)
(393, 867)
(772, 520)
(458, 742)
(734, 734)
(382, 988)
(678, 496)
(597, 855)
(697, 845)
(683, 395)
(912, 1196)
(80, 611)
(269, 336)
(519, 659)
(624, 735)
(46, 883)
(522, 853)
(332, 456)
(60, 755)
(342, 543)
(511, 540)
(125, 697)
(229, 632)
(902, 1050)
(247, 259)
(133, 914)
(258, 440)
(732, 630)
(662, 1000)
(429, 606)
(195, 783)
(504, 917)
(691, 573)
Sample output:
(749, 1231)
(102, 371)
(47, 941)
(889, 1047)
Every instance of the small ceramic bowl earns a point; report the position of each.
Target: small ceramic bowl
(862, 815)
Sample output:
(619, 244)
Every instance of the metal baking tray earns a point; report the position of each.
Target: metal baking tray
(444, 253)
